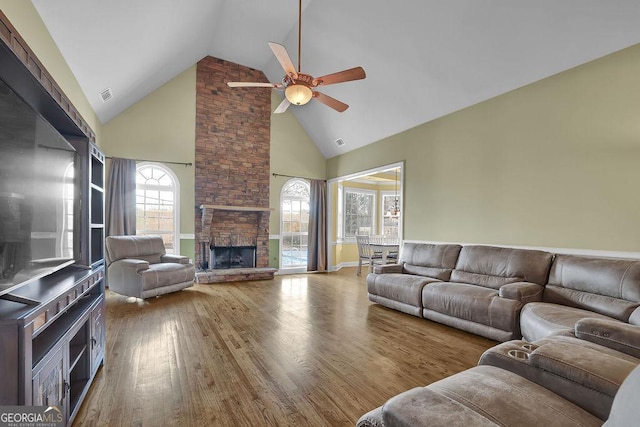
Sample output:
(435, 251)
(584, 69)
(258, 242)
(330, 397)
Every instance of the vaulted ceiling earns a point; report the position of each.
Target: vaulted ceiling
(423, 58)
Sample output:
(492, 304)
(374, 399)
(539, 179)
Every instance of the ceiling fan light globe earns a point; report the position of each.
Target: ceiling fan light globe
(298, 94)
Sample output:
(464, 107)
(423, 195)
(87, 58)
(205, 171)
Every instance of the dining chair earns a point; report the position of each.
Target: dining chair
(366, 253)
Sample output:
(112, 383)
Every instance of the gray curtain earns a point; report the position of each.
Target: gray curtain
(121, 198)
(317, 252)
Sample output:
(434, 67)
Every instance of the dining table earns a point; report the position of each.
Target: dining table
(384, 245)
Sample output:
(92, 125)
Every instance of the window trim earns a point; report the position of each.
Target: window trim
(176, 198)
(296, 269)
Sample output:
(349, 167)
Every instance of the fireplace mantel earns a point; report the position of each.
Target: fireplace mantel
(235, 208)
(207, 215)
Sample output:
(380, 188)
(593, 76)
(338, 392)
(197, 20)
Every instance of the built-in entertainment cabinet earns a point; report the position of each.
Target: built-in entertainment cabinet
(52, 304)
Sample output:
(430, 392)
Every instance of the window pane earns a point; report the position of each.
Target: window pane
(358, 213)
(294, 223)
(155, 204)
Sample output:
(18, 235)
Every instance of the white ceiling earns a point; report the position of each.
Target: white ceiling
(423, 58)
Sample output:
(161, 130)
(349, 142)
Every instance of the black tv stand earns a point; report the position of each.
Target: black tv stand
(54, 346)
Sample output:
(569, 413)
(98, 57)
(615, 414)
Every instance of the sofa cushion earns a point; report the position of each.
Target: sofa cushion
(540, 319)
(405, 288)
(474, 303)
(607, 286)
(616, 278)
(494, 267)
(483, 396)
(134, 247)
(429, 260)
(612, 307)
(167, 273)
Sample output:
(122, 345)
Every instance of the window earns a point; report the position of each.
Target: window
(295, 224)
(359, 209)
(68, 197)
(157, 204)
(390, 214)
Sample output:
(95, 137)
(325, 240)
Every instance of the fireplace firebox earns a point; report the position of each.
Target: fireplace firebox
(222, 257)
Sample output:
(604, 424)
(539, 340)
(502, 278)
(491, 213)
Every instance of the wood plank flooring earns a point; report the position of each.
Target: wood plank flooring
(301, 350)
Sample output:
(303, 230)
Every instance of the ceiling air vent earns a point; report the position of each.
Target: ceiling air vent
(106, 95)
(340, 142)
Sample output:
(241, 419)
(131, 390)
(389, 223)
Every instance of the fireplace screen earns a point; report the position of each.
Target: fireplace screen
(232, 257)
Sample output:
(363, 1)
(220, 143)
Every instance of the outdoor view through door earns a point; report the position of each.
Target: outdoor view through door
(295, 224)
(156, 201)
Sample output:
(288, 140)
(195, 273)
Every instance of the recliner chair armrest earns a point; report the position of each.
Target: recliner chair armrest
(610, 333)
(387, 268)
(522, 291)
(130, 264)
(174, 258)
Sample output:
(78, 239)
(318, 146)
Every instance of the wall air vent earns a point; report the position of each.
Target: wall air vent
(340, 142)
(106, 95)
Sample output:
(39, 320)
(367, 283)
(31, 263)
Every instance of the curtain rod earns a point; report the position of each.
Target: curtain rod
(158, 161)
(300, 177)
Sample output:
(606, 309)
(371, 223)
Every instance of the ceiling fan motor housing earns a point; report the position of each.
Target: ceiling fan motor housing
(301, 79)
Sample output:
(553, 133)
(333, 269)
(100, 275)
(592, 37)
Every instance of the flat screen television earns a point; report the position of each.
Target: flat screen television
(38, 195)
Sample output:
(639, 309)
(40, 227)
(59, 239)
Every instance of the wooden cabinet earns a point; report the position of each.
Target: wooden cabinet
(91, 240)
(97, 341)
(49, 381)
(52, 350)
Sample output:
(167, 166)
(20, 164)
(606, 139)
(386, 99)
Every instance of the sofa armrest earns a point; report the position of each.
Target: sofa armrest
(522, 291)
(130, 264)
(388, 268)
(179, 259)
(610, 333)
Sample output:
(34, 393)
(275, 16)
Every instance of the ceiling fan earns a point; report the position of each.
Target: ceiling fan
(299, 87)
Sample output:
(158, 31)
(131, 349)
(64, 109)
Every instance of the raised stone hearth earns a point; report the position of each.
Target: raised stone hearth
(235, 275)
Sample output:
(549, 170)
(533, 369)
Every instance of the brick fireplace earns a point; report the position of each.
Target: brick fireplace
(231, 167)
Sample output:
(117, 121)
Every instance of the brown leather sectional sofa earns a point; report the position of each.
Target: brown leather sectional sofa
(557, 381)
(506, 293)
(579, 361)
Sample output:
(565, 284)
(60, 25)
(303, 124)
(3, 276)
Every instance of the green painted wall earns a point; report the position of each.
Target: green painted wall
(292, 153)
(161, 127)
(553, 164)
(27, 21)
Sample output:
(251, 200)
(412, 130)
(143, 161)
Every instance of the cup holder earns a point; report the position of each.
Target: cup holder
(518, 354)
(529, 347)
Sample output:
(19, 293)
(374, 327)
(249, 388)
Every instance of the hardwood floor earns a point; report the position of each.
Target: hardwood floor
(304, 350)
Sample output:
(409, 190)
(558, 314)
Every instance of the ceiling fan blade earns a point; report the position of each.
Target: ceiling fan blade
(339, 106)
(251, 84)
(284, 59)
(356, 73)
(282, 107)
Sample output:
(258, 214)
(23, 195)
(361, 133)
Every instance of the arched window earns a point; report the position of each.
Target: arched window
(68, 197)
(157, 204)
(294, 224)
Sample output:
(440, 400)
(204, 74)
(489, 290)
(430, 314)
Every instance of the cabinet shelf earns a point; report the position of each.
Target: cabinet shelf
(50, 336)
(78, 389)
(75, 353)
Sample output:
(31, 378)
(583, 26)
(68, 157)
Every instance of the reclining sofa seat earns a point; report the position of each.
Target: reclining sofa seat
(486, 292)
(491, 396)
(138, 266)
(583, 287)
(399, 286)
